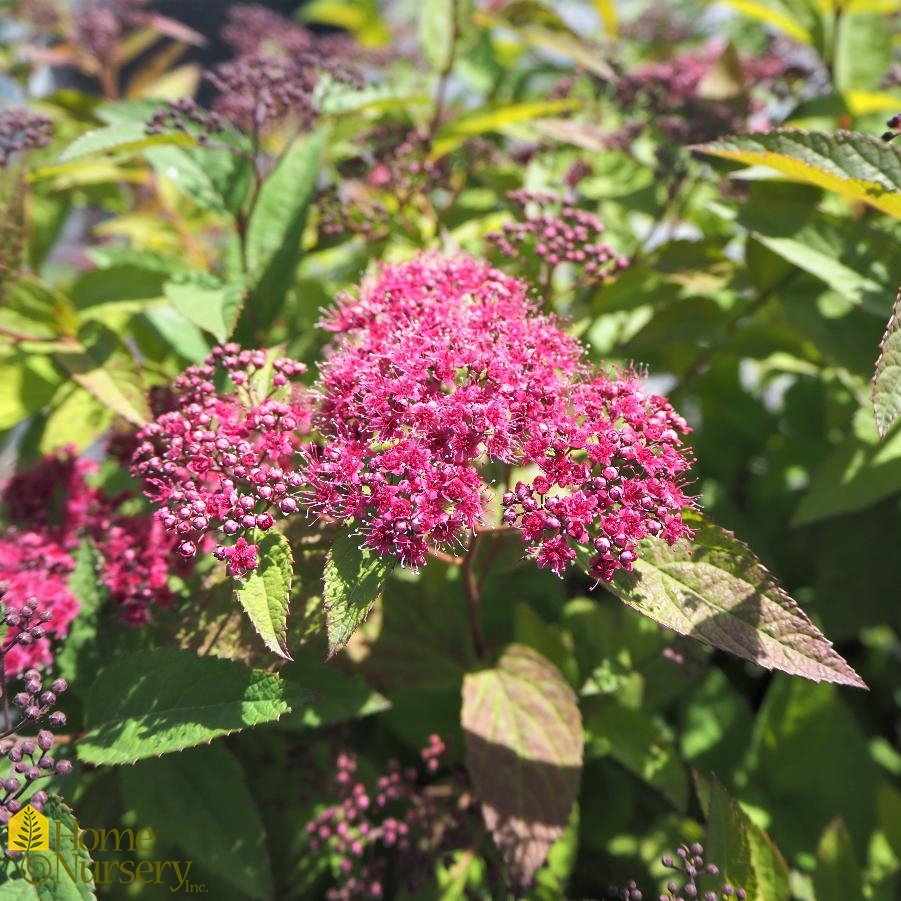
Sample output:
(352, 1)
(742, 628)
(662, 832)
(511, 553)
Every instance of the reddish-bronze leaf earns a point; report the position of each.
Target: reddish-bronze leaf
(523, 734)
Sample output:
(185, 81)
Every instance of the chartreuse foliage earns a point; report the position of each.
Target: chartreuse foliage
(234, 706)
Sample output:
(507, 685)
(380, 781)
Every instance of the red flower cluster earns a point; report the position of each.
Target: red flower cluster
(49, 509)
(440, 365)
(442, 369)
(221, 462)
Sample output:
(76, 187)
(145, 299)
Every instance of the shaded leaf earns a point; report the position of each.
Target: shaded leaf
(523, 738)
(715, 590)
(353, 581)
(265, 592)
(887, 377)
(837, 876)
(858, 166)
(221, 830)
(160, 701)
(744, 853)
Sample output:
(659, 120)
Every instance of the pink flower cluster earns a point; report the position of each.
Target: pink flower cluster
(439, 365)
(373, 825)
(557, 232)
(442, 374)
(222, 462)
(35, 570)
(50, 508)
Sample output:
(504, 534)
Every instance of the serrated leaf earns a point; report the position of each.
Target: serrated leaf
(122, 137)
(276, 225)
(165, 700)
(265, 592)
(79, 652)
(858, 166)
(715, 590)
(353, 582)
(523, 738)
(221, 830)
(208, 302)
(104, 368)
(887, 377)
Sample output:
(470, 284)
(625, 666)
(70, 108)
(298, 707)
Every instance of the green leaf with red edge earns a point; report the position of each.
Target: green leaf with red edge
(858, 166)
(715, 590)
(887, 377)
(353, 582)
(523, 737)
(265, 592)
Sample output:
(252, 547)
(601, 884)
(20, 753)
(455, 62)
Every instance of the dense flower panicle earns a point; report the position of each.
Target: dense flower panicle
(100, 24)
(258, 90)
(556, 232)
(223, 462)
(439, 365)
(611, 471)
(37, 601)
(55, 501)
(251, 29)
(187, 116)
(442, 366)
(391, 826)
(20, 131)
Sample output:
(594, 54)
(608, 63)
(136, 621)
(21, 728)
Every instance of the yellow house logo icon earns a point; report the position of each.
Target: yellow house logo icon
(28, 831)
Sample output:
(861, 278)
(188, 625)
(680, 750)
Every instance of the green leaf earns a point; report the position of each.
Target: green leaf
(744, 853)
(437, 32)
(860, 167)
(771, 12)
(78, 656)
(498, 119)
(160, 701)
(638, 742)
(523, 739)
(338, 697)
(29, 383)
(265, 592)
(715, 590)
(887, 377)
(208, 302)
(837, 876)
(353, 580)
(863, 51)
(122, 137)
(855, 475)
(199, 801)
(104, 368)
(277, 223)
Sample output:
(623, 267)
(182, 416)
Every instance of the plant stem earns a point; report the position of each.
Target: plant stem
(445, 73)
(473, 598)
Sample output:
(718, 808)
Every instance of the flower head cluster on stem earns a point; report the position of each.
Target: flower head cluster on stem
(442, 369)
(556, 232)
(377, 828)
(28, 759)
(222, 462)
(21, 131)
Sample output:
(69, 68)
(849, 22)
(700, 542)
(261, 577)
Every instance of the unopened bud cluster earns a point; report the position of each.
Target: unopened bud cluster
(381, 830)
(21, 131)
(28, 759)
(223, 463)
(555, 232)
(187, 116)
